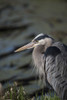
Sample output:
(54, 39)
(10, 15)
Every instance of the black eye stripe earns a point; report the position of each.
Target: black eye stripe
(40, 37)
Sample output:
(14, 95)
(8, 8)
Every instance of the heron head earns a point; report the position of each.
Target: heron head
(41, 39)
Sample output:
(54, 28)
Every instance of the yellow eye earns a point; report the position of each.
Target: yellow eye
(36, 41)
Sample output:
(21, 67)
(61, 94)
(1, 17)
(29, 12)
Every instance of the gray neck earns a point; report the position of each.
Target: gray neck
(38, 60)
(37, 54)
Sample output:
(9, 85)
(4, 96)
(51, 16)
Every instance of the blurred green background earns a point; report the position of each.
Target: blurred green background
(20, 22)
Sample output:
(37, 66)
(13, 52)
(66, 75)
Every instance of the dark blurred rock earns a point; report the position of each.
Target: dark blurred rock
(59, 35)
(1, 89)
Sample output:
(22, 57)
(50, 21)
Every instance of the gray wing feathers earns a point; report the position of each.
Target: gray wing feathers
(56, 69)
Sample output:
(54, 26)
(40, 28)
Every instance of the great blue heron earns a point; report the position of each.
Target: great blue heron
(50, 58)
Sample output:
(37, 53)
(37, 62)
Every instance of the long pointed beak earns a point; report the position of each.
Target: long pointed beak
(28, 46)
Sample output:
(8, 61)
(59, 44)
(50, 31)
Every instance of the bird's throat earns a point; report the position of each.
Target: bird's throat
(37, 55)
